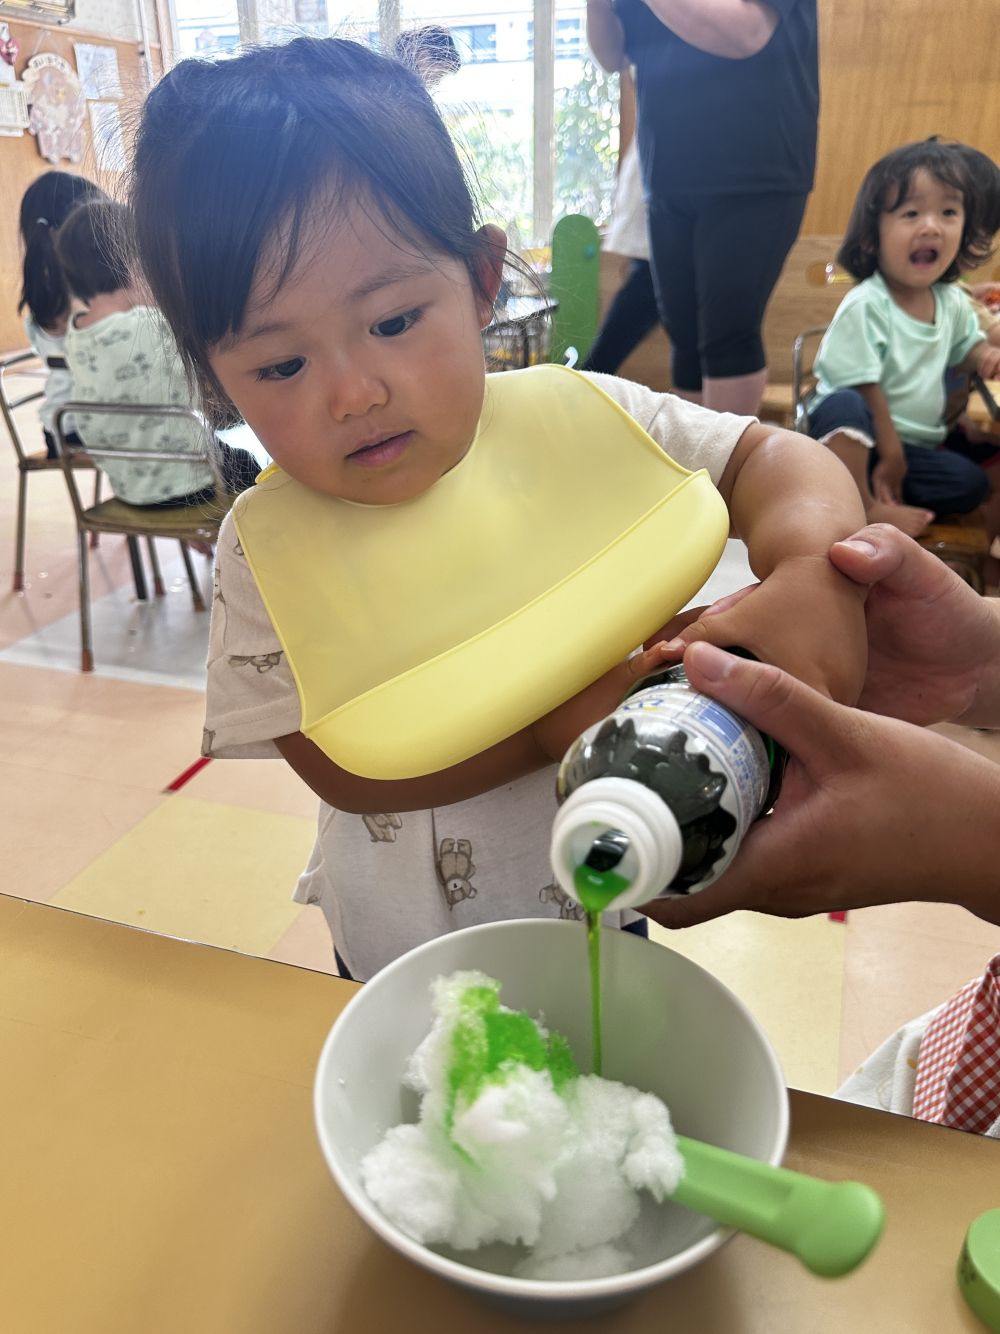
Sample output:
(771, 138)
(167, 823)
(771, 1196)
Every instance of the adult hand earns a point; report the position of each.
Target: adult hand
(933, 644)
(871, 810)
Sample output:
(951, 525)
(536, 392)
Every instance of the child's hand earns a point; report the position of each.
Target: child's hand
(887, 478)
(557, 731)
(989, 362)
(803, 617)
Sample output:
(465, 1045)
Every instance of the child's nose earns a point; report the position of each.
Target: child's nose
(354, 391)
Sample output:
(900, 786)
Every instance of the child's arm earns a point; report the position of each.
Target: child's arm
(890, 470)
(790, 501)
(984, 359)
(532, 748)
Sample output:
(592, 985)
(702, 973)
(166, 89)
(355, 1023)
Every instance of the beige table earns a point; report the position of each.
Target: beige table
(161, 1176)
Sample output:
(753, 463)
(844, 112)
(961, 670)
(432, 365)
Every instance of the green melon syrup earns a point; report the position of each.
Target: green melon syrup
(596, 890)
(488, 1042)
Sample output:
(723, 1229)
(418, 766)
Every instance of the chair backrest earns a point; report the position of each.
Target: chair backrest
(807, 294)
(9, 405)
(66, 450)
(804, 350)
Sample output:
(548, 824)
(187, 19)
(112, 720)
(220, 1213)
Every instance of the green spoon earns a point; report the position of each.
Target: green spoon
(830, 1225)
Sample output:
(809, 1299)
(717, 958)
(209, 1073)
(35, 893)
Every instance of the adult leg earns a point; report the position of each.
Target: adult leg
(842, 421)
(741, 243)
(628, 320)
(671, 238)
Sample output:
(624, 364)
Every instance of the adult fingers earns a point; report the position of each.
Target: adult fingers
(806, 723)
(881, 554)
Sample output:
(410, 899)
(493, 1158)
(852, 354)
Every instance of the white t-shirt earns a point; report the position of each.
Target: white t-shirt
(390, 881)
(58, 382)
(131, 357)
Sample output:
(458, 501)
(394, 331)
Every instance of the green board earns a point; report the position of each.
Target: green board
(576, 261)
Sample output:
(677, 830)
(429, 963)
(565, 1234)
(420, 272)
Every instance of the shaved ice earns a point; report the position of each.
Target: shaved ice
(514, 1145)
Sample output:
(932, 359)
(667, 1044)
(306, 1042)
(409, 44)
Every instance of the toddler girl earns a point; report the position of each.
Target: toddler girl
(880, 397)
(45, 206)
(120, 350)
(304, 225)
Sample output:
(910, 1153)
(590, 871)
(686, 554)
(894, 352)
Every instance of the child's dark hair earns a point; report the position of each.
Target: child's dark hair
(887, 184)
(233, 154)
(45, 206)
(429, 50)
(93, 249)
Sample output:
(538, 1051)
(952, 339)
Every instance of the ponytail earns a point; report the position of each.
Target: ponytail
(43, 292)
(45, 206)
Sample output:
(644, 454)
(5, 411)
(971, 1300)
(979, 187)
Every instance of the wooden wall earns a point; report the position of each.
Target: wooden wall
(21, 162)
(892, 71)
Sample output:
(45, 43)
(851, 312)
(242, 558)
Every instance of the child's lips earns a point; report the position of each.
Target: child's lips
(381, 452)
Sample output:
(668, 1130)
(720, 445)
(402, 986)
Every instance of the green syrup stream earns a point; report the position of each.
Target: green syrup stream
(596, 891)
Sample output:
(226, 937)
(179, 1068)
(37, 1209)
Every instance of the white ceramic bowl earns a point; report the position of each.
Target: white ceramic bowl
(669, 1028)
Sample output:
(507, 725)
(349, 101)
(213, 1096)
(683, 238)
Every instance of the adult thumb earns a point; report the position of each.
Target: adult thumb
(881, 554)
(806, 723)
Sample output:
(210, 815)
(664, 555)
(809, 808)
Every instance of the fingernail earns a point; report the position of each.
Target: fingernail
(713, 664)
(673, 644)
(866, 548)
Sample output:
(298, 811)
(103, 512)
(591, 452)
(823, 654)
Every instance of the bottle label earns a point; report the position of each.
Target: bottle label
(731, 747)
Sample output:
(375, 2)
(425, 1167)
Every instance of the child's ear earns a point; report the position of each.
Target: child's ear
(489, 267)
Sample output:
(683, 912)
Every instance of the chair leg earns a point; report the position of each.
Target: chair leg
(86, 645)
(95, 535)
(22, 515)
(138, 573)
(196, 597)
(154, 561)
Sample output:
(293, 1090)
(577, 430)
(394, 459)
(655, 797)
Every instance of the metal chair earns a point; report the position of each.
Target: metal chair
(28, 462)
(185, 523)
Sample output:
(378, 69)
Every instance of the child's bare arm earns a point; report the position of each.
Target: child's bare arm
(528, 750)
(890, 469)
(790, 500)
(984, 359)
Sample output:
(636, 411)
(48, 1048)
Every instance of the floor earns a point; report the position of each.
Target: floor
(108, 812)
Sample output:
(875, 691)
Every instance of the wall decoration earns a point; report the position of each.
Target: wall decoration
(97, 67)
(106, 131)
(57, 105)
(13, 107)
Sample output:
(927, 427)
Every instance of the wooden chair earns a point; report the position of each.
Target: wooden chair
(186, 523)
(28, 462)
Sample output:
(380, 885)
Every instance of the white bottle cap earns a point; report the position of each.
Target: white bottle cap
(655, 843)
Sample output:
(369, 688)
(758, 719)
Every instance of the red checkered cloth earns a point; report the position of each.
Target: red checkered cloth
(958, 1064)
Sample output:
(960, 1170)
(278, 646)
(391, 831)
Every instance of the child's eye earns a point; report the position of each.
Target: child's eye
(281, 370)
(397, 324)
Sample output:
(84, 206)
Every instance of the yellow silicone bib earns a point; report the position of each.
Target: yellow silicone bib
(422, 633)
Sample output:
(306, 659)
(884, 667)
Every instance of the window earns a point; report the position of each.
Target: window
(568, 39)
(476, 42)
(489, 103)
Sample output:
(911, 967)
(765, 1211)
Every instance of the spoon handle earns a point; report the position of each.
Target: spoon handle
(830, 1225)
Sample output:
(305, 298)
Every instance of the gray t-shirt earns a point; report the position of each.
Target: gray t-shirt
(389, 881)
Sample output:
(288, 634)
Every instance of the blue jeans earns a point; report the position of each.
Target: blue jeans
(947, 478)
